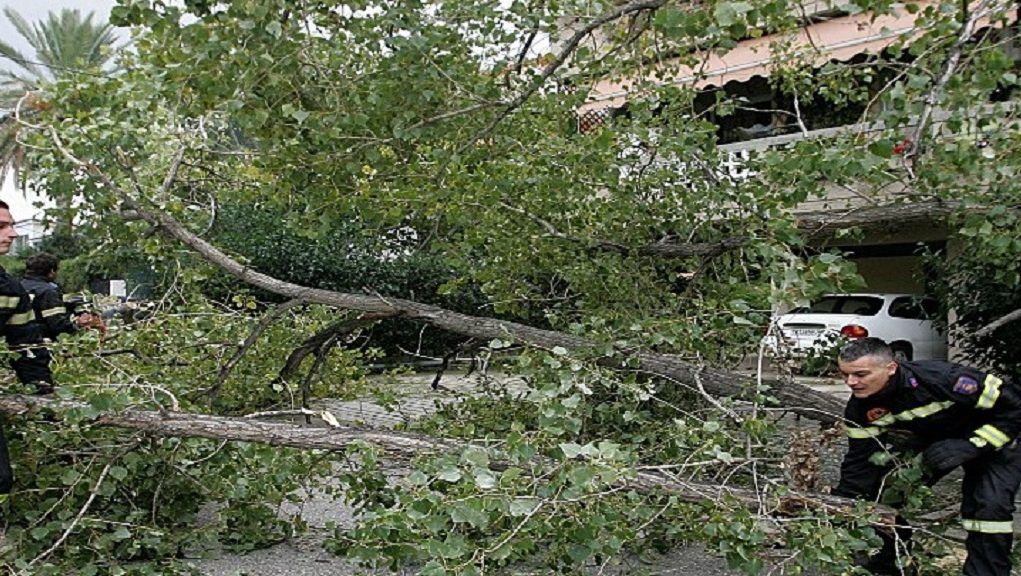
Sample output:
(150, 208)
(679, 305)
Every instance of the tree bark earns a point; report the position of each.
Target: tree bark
(821, 226)
(184, 425)
(825, 224)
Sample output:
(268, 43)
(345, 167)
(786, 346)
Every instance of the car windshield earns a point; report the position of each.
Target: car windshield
(860, 305)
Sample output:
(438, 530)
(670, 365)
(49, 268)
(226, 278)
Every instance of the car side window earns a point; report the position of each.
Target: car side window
(909, 308)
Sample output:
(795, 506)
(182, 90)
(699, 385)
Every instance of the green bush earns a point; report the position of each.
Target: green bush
(346, 260)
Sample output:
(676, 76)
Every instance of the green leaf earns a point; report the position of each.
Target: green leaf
(449, 474)
(118, 472)
(433, 568)
(725, 14)
(522, 506)
(570, 449)
(882, 148)
(484, 479)
(470, 512)
(476, 457)
(69, 477)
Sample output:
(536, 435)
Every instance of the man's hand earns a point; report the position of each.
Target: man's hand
(943, 456)
(89, 320)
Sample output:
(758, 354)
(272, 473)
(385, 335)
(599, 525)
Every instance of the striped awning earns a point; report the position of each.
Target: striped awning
(840, 38)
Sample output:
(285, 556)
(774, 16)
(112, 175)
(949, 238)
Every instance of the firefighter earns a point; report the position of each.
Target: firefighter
(17, 322)
(955, 416)
(51, 312)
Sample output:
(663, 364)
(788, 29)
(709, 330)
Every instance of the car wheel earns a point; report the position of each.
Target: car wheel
(901, 352)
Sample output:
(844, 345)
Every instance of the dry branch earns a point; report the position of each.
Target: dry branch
(250, 341)
(562, 55)
(964, 35)
(185, 425)
(995, 325)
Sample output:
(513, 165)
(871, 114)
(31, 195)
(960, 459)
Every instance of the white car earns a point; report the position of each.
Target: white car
(904, 321)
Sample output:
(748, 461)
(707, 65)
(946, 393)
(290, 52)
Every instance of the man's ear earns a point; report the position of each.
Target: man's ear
(891, 367)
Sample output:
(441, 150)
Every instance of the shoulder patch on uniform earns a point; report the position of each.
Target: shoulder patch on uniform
(913, 381)
(876, 413)
(966, 385)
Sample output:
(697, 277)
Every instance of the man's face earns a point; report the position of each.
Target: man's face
(866, 375)
(7, 231)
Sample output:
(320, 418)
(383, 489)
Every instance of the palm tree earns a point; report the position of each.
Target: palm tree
(64, 44)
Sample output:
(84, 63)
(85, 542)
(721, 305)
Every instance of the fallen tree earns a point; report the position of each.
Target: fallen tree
(798, 398)
(611, 263)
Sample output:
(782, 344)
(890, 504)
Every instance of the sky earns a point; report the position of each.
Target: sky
(21, 207)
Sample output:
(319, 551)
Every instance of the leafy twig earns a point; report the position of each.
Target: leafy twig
(565, 52)
(262, 326)
(81, 512)
(946, 73)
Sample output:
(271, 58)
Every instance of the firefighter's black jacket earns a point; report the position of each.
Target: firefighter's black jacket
(48, 304)
(23, 334)
(934, 401)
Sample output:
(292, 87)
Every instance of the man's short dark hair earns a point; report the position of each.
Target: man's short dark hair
(862, 347)
(41, 264)
(4, 206)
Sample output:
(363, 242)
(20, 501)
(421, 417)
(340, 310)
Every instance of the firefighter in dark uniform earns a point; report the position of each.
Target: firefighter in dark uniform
(956, 416)
(24, 336)
(51, 311)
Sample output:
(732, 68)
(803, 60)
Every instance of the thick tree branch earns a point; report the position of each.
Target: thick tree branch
(995, 325)
(825, 224)
(818, 226)
(799, 399)
(666, 248)
(183, 425)
(402, 444)
(317, 340)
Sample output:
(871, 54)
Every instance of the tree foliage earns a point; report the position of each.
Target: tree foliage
(63, 45)
(345, 125)
(347, 260)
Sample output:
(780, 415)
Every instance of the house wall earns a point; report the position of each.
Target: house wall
(892, 274)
